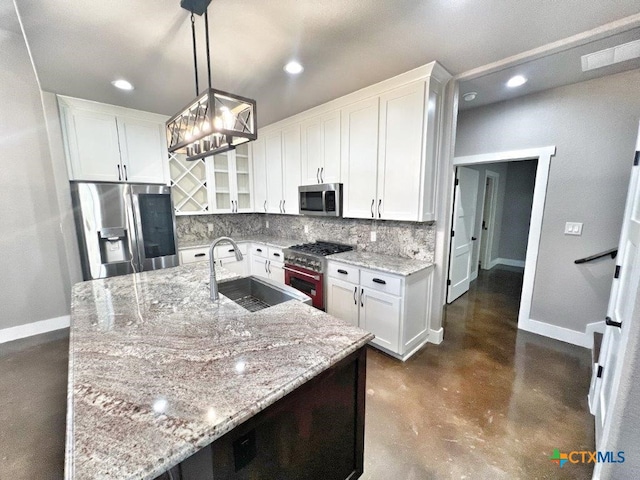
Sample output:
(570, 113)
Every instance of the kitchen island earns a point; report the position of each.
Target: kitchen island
(157, 372)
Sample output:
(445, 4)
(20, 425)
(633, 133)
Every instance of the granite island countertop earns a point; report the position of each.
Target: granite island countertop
(384, 263)
(157, 371)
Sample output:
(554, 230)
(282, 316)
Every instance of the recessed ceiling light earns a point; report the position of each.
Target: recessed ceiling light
(470, 96)
(293, 67)
(122, 84)
(516, 81)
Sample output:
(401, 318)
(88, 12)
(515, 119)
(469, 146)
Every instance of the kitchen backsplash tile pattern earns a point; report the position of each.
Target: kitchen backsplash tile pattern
(404, 239)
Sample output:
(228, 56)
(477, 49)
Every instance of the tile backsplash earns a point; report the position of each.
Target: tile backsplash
(404, 239)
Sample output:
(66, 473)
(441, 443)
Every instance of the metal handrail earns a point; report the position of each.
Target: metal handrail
(613, 252)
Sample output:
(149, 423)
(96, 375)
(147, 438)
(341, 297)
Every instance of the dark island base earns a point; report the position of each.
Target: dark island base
(315, 432)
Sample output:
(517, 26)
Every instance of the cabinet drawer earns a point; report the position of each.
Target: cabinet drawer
(226, 250)
(192, 255)
(275, 254)
(258, 250)
(347, 273)
(381, 282)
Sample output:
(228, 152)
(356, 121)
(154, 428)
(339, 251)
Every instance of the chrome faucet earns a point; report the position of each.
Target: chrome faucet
(213, 283)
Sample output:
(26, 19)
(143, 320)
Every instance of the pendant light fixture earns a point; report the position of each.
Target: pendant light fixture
(215, 121)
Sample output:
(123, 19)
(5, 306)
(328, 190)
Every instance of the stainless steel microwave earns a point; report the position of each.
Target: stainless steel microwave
(323, 199)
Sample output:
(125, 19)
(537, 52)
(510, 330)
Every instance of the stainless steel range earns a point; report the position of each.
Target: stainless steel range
(305, 265)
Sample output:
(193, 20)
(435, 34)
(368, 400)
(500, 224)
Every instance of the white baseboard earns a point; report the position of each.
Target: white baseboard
(509, 262)
(473, 276)
(436, 336)
(582, 339)
(34, 328)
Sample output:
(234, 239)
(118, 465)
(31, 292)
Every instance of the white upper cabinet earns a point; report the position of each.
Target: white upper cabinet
(400, 156)
(360, 158)
(259, 160)
(230, 181)
(291, 169)
(273, 142)
(105, 143)
(320, 137)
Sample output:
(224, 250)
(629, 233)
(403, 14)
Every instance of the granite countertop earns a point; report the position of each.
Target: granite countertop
(383, 263)
(158, 371)
(264, 239)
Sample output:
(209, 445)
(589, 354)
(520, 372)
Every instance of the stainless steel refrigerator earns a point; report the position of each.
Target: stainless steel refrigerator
(124, 228)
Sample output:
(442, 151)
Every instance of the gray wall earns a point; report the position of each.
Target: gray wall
(516, 211)
(34, 281)
(593, 125)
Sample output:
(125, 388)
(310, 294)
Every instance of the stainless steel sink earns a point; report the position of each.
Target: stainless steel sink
(255, 293)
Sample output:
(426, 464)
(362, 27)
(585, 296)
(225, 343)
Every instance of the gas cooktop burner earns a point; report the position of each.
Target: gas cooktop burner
(322, 248)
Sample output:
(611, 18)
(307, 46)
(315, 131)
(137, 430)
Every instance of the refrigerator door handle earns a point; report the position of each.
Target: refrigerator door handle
(137, 247)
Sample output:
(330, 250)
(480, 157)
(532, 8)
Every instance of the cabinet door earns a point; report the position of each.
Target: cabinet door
(220, 183)
(242, 176)
(258, 160)
(380, 315)
(360, 158)
(259, 267)
(330, 168)
(274, 172)
(92, 145)
(312, 156)
(400, 166)
(342, 300)
(276, 271)
(143, 151)
(291, 169)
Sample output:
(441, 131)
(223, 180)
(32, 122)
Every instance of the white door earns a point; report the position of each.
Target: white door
(360, 158)
(464, 219)
(342, 300)
(258, 160)
(291, 169)
(380, 315)
(143, 151)
(276, 271)
(621, 306)
(259, 267)
(330, 168)
(312, 155)
(400, 152)
(274, 172)
(221, 184)
(242, 179)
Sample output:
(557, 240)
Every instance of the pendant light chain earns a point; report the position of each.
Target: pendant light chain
(206, 30)
(195, 56)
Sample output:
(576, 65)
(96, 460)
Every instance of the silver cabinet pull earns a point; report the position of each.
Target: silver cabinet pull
(126, 177)
(283, 209)
(373, 201)
(318, 174)
(265, 266)
(297, 272)
(321, 174)
(355, 292)
(269, 266)
(265, 206)
(380, 209)
(119, 175)
(362, 298)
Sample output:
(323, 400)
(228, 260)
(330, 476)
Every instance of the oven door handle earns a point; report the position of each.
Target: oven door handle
(315, 277)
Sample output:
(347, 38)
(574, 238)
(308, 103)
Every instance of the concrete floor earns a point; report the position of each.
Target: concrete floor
(489, 402)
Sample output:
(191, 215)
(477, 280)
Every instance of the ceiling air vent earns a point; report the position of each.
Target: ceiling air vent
(609, 56)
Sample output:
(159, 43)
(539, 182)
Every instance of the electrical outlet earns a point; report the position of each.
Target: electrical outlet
(374, 236)
(266, 224)
(210, 227)
(573, 228)
(306, 229)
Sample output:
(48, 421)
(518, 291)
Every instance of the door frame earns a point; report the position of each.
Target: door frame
(543, 155)
(485, 257)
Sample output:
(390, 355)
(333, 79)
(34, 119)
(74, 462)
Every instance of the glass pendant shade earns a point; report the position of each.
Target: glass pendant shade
(215, 122)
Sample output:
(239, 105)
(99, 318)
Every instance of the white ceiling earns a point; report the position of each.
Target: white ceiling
(79, 46)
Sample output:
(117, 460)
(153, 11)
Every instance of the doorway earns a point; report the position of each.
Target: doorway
(543, 156)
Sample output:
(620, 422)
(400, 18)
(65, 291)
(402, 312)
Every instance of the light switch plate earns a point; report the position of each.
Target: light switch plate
(210, 227)
(306, 229)
(573, 228)
(266, 224)
(374, 236)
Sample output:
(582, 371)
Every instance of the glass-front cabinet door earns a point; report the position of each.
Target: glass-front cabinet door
(230, 180)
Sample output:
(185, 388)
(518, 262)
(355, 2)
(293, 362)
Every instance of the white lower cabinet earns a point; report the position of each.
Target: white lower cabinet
(266, 262)
(394, 308)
